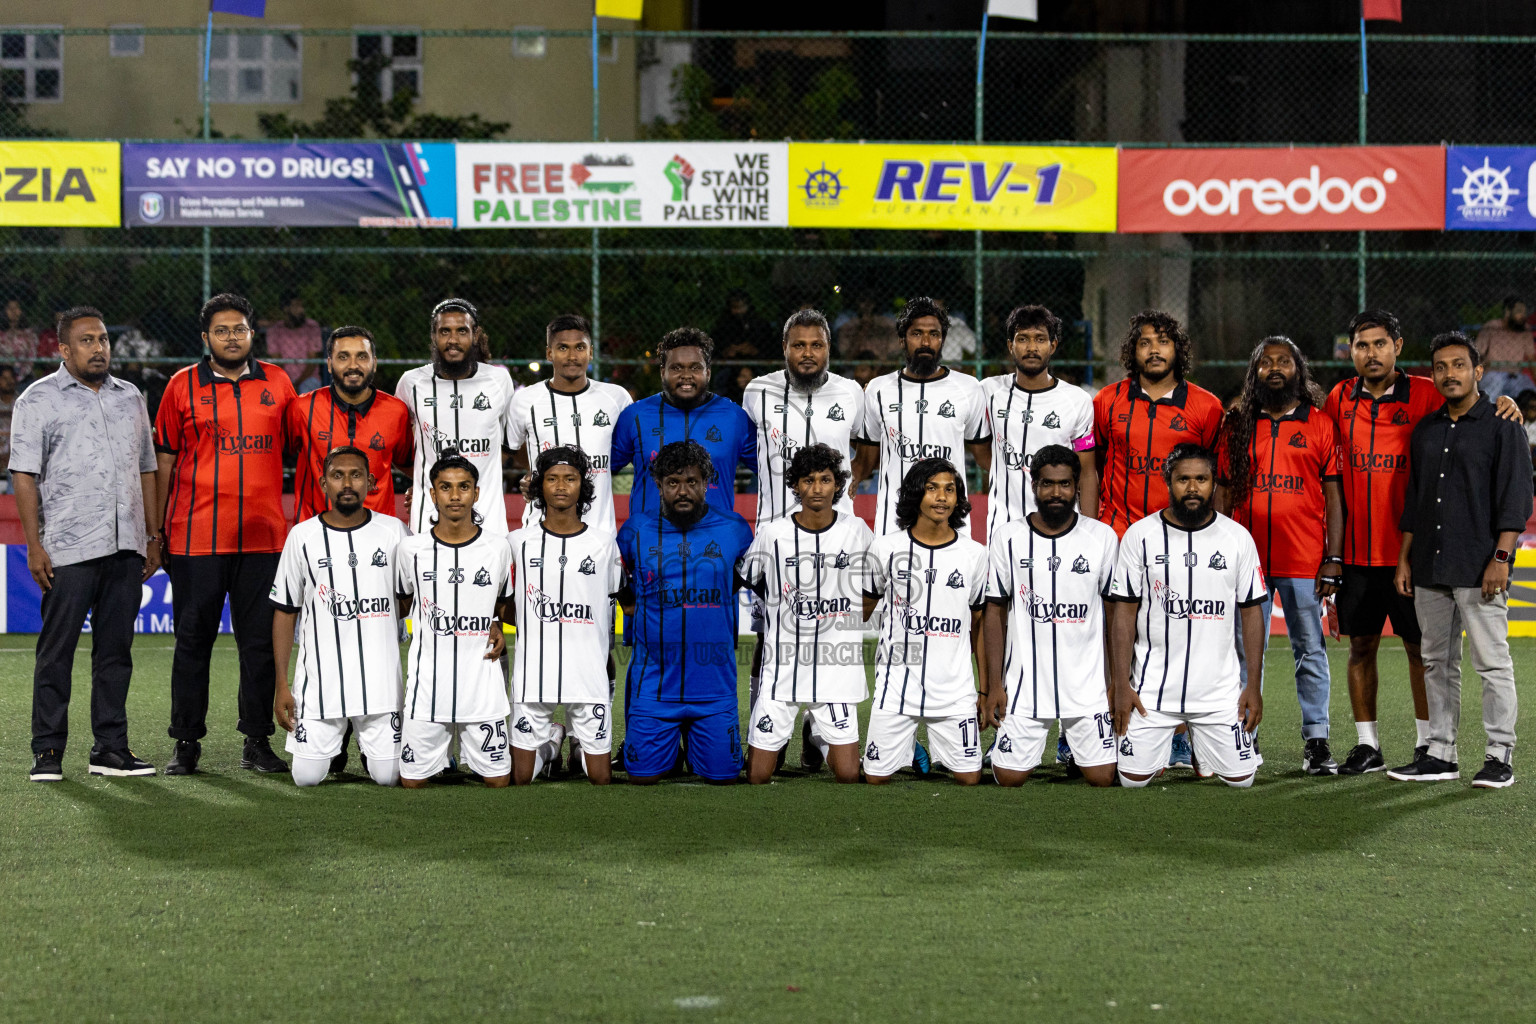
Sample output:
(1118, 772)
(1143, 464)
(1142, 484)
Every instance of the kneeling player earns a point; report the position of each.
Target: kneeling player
(566, 574)
(1183, 578)
(809, 569)
(929, 583)
(1050, 573)
(338, 570)
(459, 576)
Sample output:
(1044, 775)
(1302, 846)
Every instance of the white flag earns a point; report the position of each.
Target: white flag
(1024, 10)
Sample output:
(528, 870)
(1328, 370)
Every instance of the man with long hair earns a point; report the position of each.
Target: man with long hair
(1280, 477)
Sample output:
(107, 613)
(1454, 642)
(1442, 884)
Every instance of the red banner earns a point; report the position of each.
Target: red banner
(1381, 188)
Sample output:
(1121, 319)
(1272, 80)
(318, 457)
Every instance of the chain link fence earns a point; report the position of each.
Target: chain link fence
(1129, 89)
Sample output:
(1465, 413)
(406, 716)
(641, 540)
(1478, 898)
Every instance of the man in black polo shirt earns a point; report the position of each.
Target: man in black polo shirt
(1469, 496)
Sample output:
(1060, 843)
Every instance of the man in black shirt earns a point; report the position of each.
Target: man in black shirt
(1469, 496)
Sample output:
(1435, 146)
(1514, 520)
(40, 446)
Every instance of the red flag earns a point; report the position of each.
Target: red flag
(1381, 10)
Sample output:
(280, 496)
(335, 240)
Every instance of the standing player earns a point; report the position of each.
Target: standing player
(1184, 577)
(349, 413)
(566, 573)
(808, 568)
(1375, 414)
(928, 581)
(680, 607)
(924, 411)
(460, 577)
(1029, 409)
(459, 401)
(686, 410)
(569, 409)
(219, 439)
(1280, 479)
(1050, 573)
(338, 570)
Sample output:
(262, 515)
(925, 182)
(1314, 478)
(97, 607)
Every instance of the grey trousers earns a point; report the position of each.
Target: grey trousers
(1443, 613)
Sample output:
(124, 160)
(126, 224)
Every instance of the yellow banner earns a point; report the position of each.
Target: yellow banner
(993, 188)
(60, 184)
(619, 9)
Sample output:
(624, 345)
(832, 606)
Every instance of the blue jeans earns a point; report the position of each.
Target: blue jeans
(1303, 621)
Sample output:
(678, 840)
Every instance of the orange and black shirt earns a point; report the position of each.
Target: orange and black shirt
(1135, 434)
(1374, 437)
(1286, 512)
(226, 493)
(321, 420)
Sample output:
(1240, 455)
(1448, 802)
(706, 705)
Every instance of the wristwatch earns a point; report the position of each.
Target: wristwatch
(1503, 556)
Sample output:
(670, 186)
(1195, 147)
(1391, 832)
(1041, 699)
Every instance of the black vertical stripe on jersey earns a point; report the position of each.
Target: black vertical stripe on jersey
(1189, 622)
(454, 715)
(1130, 417)
(239, 471)
(1369, 490)
(1055, 663)
(357, 623)
(543, 561)
(421, 634)
(775, 609)
(330, 575)
(213, 520)
(521, 651)
(816, 637)
(1008, 591)
(890, 605)
(1269, 523)
(1029, 414)
(783, 464)
(1003, 470)
(922, 676)
(1034, 650)
(197, 439)
(560, 629)
(1162, 521)
(1146, 610)
(1146, 477)
(682, 661)
(314, 626)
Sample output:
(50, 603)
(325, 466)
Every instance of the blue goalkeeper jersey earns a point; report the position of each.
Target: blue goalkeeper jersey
(684, 626)
(719, 424)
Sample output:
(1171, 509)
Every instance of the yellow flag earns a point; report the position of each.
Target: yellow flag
(619, 9)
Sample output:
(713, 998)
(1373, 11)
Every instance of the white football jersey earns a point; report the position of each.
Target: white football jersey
(913, 420)
(457, 586)
(812, 583)
(1021, 423)
(342, 583)
(787, 420)
(1054, 590)
(542, 418)
(1190, 584)
(470, 415)
(923, 662)
(563, 591)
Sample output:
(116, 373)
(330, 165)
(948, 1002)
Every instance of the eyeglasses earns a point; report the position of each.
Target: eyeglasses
(224, 333)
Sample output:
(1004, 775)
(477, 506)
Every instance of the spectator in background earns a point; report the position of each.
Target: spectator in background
(740, 333)
(866, 371)
(1504, 342)
(296, 337)
(48, 342)
(871, 335)
(8, 403)
(960, 342)
(734, 381)
(18, 341)
(1527, 403)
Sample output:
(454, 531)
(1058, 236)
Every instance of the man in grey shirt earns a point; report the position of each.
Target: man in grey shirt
(83, 468)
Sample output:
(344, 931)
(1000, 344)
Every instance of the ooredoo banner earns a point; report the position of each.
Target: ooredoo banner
(611, 184)
(1351, 188)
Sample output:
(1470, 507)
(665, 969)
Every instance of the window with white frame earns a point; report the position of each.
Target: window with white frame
(126, 41)
(255, 68)
(31, 64)
(402, 47)
(530, 41)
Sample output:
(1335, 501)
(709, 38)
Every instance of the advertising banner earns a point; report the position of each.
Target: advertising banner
(611, 184)
(60, 184)
(300, 184)
(992, 188)
(22, 607)
(1347, 188)
(1489, 188)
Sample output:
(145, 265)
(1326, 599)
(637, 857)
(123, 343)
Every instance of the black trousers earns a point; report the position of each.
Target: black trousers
(199, 584)
(108, 589)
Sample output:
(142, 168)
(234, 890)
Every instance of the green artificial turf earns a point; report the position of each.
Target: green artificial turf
(233, 897)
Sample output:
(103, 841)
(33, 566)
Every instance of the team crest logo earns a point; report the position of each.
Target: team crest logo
(1177, 423)
(1217, 562)
(922, 407)
(482, 404)
(841, 562)
(765, 724)
(1080, 566)
(1052, 421)
(377, 444)
(300, 733)
(407, 755)
(947, 410)
(600, 419)
(1298, 441)
(1004, 745)
(522, 724)
(872, 753)
(351, 559)
(483, 577)
(379, 561)
(266, 397)
(835, 413)
(1125, 747)
(956, 580)
(713, 434)
(711, 550)
(588, 567)
(1400, 418)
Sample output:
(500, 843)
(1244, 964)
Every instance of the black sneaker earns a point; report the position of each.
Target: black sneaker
(1426, 769)
(1496, 774)
(119, 763)
(257, 755)
(1317, 758)
(1362, 759)
(184, 760)
(339, 762)
(49, 767)
(1420, 751)
(810, 754)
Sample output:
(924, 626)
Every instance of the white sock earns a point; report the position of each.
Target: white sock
(1133, 783)
(1367, 733)
(385, 771)
(310, 771)
(1242, 784)
(821, 744)
(1422, 725)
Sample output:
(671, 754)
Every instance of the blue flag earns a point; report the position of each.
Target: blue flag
(248, 8)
